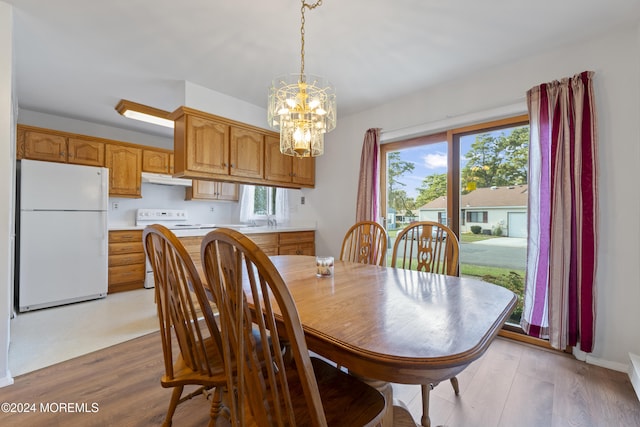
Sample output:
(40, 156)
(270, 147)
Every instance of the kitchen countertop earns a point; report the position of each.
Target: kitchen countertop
(243, 229)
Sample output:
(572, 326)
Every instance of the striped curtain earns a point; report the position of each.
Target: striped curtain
(368, 181)
(559, 300)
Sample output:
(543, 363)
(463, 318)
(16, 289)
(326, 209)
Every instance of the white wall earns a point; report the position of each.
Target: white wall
(7, 164)
(615, 59)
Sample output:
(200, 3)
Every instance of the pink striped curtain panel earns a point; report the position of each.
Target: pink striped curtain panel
(368, 181)
(559, 301)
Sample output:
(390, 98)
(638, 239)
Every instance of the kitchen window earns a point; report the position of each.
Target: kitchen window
(262, 203)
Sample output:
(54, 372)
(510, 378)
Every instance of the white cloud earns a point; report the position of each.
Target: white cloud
(437, 160)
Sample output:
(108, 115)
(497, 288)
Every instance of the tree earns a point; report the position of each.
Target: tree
(433, 186)
(497, 160)
(396, 168)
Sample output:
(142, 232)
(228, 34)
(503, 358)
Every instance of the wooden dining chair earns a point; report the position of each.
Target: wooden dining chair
(179, 295)
(432, 247)
(366, 243)
(250, 293)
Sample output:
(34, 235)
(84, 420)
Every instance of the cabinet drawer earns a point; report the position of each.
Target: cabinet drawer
(125, 236)
(268, 242)
(266, 239)
(297, 237)
(126, 274)
(126, 259)
(299, 249)
(126, 248)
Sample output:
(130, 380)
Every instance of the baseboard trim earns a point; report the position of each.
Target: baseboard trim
(577, 353)
(634, 372)
(6, 380)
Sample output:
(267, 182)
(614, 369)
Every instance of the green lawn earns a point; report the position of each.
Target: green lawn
(505, 277)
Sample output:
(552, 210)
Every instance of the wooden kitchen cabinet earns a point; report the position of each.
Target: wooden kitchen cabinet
(280, 168)
(268, 242)
(126, 260)
(275, 243)
(125, 168)
(209, 147)
(44, 146)
(297, 243)
(246, 153)
(156, 161)
(201, 147)
(56, 147)
(212, 190)
(192, 245)
(85, 152)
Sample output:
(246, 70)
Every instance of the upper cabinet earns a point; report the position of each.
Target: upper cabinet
(246, 151)
(157, 161)
(57, 147)
(287, 169)
(212, 190)
(202, 148)
(125, 169)
(213, 148)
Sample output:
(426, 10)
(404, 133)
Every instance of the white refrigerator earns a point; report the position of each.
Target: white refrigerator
(62, 234)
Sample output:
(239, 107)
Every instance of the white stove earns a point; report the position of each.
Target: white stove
(173, 219)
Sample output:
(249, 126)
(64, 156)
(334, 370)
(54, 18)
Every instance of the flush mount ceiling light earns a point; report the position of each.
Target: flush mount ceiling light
(302, 107)
(133, 110)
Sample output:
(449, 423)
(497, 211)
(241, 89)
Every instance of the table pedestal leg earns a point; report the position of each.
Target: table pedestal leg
(396, 413)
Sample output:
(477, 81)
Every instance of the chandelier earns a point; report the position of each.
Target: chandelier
(302, 107)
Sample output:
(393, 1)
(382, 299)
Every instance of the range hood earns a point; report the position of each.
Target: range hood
(162, 179)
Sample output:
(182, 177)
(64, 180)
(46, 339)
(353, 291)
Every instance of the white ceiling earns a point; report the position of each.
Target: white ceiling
(78, 58)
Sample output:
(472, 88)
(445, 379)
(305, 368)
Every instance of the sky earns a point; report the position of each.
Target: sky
(428, 160)
(432, 159)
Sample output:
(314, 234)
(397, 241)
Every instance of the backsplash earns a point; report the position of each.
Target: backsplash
(172, 197)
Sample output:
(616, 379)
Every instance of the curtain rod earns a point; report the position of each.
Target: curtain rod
(452, 121)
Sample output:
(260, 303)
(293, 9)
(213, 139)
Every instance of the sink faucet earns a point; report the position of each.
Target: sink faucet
(272, 222)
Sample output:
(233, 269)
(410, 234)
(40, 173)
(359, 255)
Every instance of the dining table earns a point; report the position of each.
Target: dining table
(390, 325)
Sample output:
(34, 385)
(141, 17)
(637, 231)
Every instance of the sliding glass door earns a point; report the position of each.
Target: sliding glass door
(474, 180)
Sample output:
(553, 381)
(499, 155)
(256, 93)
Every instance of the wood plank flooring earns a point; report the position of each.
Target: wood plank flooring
(511, 385)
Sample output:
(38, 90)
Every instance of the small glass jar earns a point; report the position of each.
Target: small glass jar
(324, 266)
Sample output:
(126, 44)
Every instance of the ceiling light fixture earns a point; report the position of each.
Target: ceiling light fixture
(133, 110)
(302, 107)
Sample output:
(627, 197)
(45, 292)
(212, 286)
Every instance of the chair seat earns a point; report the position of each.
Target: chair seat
(347, 401)
(184, 375)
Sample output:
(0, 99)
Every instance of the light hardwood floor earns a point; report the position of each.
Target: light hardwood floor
(513, 384)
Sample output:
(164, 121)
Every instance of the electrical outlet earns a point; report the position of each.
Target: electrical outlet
(115, 205)
(212, 209)
(302, 200)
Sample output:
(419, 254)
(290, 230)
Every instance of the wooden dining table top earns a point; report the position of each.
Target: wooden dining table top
(392, 324)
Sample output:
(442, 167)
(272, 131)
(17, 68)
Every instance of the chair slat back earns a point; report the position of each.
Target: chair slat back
(366, 243)
(180, 301)
(238, 272)
(426, 246)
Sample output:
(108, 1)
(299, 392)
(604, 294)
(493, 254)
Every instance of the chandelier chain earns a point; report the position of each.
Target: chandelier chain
(310, 7)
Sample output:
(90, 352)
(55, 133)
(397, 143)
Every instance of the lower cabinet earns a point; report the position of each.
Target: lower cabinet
(126, 260)
(297, 243)
(284, 243)
(192, 245)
